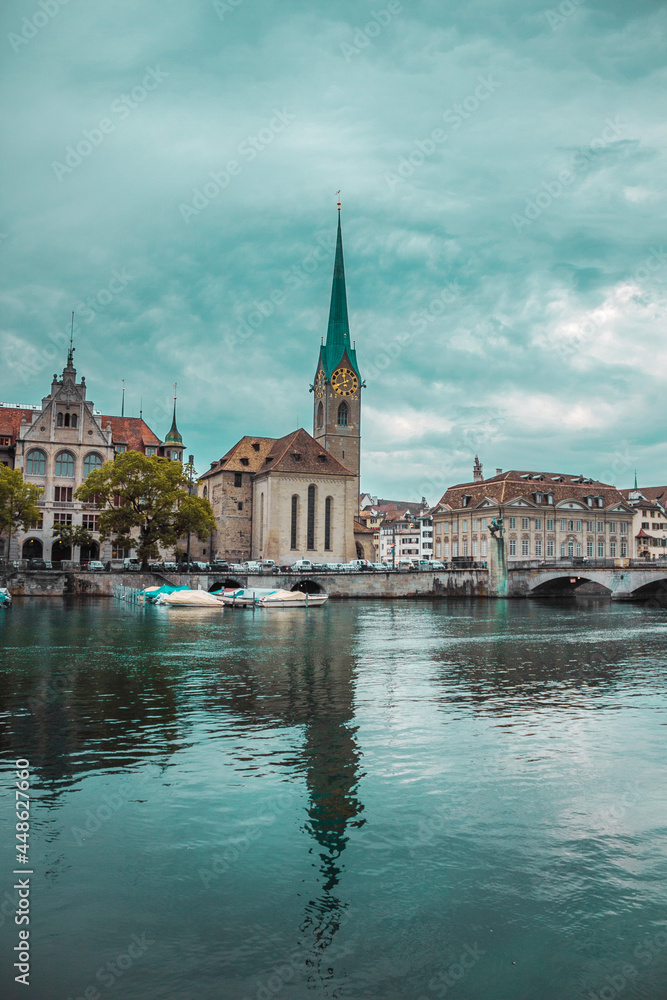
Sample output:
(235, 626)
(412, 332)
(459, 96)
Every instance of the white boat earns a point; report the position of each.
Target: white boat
(190, 599)
(244, 597)
(291, 599)
(5, 598)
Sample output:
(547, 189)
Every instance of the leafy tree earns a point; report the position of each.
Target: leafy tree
(18, 503)
(135, 493)
(73, 534)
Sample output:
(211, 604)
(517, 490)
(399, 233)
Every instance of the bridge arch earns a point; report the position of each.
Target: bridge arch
(655, 590)
(559, 584)
(227, 584)
(308, 587)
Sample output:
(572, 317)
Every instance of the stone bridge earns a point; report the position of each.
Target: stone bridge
(638, 580)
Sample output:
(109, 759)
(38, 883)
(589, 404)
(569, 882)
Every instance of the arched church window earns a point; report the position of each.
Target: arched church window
(59, 420)
(36, 463)
(343, 414)
(73, 421)
(64, 463)
(328, 510)
(294, 526)
(90, 462)
(320, 415)
(310, 536)
(67, 420)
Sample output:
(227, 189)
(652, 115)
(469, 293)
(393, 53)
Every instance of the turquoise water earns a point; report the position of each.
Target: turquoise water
(367, 800)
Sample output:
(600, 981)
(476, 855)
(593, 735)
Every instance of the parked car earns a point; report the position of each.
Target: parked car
(380, 567)
(170, 567)
(197, 565)
(252, 567)
(302, 565)
(218, 567)
(423, 564)
(405, 564)
(95, 566)
(435, 564)
(237, 568)
(358, 565)
(131, 565)
(112, 564)
(268, 566)
(36, 564)
(332, 567)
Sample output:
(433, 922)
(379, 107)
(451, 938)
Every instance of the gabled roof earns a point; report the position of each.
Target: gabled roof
(132, 431)
(299, 452)
(247, 455)
(649, 493)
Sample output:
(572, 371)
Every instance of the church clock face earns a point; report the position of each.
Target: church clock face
(320, 384)
(344, 382)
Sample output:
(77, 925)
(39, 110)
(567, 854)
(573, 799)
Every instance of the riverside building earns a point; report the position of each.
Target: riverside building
(547, 516)
(56, 445)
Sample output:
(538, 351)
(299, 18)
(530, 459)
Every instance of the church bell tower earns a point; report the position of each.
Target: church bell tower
(338, 383)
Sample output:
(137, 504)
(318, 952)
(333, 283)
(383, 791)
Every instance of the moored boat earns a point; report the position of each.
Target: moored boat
(244, 597)
(5, 598)
(292, 599)
(190, 599)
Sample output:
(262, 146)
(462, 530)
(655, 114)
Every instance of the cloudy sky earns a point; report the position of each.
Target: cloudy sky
(170, 173)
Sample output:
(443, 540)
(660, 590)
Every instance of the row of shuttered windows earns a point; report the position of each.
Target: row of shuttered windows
(310, 521)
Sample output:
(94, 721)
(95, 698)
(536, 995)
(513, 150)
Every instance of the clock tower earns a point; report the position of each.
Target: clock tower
(338, 384)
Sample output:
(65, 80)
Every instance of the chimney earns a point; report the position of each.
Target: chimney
(499, 472)
(477, 476)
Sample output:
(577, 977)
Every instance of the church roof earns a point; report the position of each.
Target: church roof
(299, 452)
(247, 455)
(338, 343)
(173, 437)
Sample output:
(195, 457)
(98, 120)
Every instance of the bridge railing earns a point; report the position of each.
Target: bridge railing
(583, 563)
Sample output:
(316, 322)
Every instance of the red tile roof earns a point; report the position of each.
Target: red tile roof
(233, 461)
(11, 417)
(132, 431)
(513, 484)
(299, 452)
(648, 493)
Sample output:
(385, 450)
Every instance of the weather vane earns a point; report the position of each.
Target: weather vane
(338, 196)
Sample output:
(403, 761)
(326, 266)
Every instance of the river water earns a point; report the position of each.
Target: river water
(462, 799)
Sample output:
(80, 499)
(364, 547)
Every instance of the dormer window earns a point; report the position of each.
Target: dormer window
(600, 501)
(465, 500)
(244, 461)
(255, 445)
(550, 498)
(268, 459)
(321, 458)
(538, 497)
(296, 455)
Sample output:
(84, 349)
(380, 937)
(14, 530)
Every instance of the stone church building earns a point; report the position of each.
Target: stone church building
(297, 496)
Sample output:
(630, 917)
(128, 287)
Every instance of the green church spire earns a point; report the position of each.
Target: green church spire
(174, 437)
(338, 330)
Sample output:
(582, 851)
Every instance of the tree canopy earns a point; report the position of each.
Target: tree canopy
(147, 496)
(18, 502)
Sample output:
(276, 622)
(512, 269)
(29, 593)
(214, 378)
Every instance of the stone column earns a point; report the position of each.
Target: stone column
(497, 566)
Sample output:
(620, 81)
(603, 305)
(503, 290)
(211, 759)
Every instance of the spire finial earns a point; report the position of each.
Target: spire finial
(338, 202)
(122, 400)
(635, 479)
(70, 353)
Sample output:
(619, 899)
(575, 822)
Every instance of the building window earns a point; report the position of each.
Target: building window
(238, 479)
(624, 527)
(600, 527)
(239, 505)
(525, 523)
(550, 547)
(59, 420)
(62, 494)
(120, 448)
(261, 520)
(563, 524)
(91, 522)
(483, 524)
(63, 518)
(343, 414)
(612, 527)
(36, 463)
(538, 547)
(624, 549)
(455, 549)
(570, 547)
(151, 451)
(590, 526)
(474, 547)
(74, 420)
(512, 522)
(328, 507)
(550, 525)
(464, 549)
(563, 551)
(612, 549)
(600, 549)
(117, 553)
(295, 522)
(538, 523)
(570, 525)
(589, 548)
(578, 525)
(524, 547)
(446, 550)
(320, 414)
(205, 492)
(90, 462)
(483, 548)
(310, 525)
(512, 545)
(64, 463)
